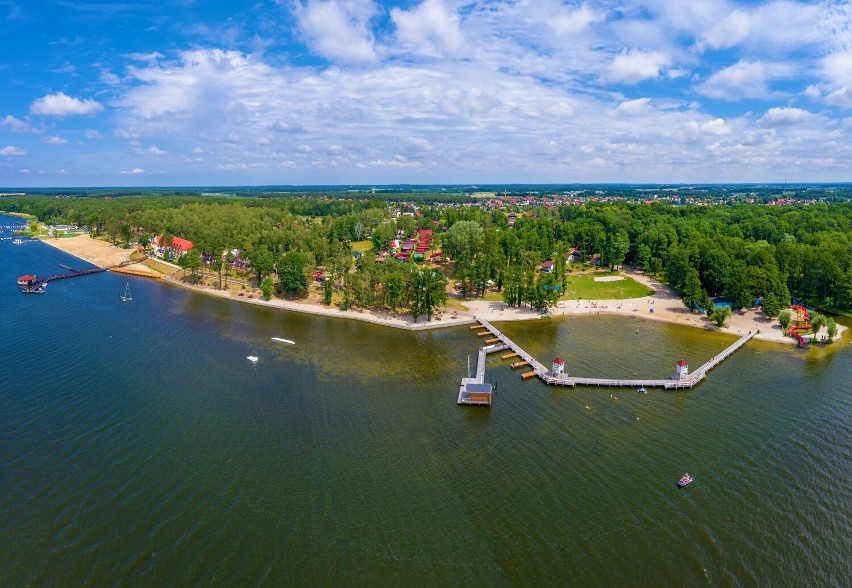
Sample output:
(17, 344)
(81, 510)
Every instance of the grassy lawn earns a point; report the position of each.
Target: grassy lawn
(455, 304)
(585, 287)
(362, 246)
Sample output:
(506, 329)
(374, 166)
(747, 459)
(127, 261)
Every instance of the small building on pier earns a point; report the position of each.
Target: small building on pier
(26, 280)
(558, 366)
(682, 370)
(475, 393)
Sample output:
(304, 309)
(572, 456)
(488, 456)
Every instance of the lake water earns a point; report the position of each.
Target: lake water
(139, 446)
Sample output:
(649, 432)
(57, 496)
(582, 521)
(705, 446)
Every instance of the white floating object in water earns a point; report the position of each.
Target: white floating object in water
(252, 358)
(284, 340)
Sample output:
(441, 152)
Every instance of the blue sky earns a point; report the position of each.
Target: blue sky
(198, 92)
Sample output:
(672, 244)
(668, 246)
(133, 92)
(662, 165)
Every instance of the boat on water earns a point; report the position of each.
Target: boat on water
(126, 297)
(642, 390)
(684, 481)
(252, 358)
(18, 241)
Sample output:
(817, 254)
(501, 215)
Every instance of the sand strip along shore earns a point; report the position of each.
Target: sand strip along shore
(99, 253)
(665, 303)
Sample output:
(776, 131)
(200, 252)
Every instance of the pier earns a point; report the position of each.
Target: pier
(35, 285)
(682, 379)
(475, 390)
(72, 274)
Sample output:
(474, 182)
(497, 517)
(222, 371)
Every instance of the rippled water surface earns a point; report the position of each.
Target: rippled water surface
(138, 445)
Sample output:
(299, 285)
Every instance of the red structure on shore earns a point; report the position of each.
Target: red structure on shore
(803, 323)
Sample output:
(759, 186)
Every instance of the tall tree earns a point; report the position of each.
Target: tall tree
(693, 292)
(463, 241)
(261, 261)
(292, 273)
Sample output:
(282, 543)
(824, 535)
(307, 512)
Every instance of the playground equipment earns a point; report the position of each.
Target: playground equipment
(803, 323)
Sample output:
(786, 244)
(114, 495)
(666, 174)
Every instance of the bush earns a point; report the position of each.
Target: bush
(784, 319)
(266, 287)
(719, 315)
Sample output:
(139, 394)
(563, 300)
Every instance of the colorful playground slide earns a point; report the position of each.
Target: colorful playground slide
(802, 324)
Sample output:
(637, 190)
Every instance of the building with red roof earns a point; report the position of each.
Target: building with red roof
(182, 245)
(178, 246)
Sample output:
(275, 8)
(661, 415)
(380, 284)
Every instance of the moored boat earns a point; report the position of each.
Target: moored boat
(126, 297)
(685, 480)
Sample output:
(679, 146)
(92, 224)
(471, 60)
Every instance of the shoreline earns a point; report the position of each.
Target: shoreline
(663, 305)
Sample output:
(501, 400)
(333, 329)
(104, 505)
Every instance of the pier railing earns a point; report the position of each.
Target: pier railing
(565, 380)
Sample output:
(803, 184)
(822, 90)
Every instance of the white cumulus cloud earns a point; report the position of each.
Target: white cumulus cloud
(61, 105)
(634, 107)
(12, 150)
(54, 140)
(749, 79)
(17, 125)
(430, 27)
(634, 66)
(339, 29)
(785, 116)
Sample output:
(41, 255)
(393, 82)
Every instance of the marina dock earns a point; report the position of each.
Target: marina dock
(475, 390)
(555, 377)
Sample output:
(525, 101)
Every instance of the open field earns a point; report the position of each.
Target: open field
(584, 287)
(362, 246)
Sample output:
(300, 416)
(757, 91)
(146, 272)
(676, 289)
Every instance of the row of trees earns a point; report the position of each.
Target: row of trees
(744, 252)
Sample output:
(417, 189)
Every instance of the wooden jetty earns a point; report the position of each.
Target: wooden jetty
(73, 274)
(518, 364)
(672, 383)
(508, 355)
(475, 390)
(37, 285)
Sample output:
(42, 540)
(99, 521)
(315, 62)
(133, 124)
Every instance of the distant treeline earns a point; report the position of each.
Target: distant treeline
(426, 194)
(743, 252)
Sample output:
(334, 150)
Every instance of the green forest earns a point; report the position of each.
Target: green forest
(745, 252)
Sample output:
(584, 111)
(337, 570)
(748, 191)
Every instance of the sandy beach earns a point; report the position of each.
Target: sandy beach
(663, 305)
(98, 252)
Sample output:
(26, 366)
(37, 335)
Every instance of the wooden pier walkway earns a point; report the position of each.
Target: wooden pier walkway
(547, 377)
(38, 285)
(73, 274)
